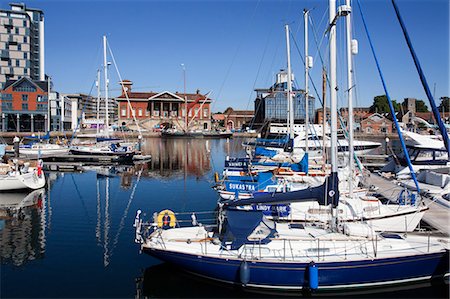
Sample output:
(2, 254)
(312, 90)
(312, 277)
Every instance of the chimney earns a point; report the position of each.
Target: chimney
(126, 86)
(198, 91)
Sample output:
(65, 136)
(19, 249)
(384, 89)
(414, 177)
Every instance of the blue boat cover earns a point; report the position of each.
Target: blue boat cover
(325, 194)
(261, 151)
(240, 224)
(44, 137)
(302, 166)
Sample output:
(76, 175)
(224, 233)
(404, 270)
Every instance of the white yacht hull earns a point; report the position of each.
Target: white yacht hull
(29, 180)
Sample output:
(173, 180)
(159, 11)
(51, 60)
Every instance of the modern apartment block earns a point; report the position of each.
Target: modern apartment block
(21, 43)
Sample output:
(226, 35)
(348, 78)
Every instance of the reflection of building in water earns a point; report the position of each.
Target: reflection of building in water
(22, 227)
(178, 156)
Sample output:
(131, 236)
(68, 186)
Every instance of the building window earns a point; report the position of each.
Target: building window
(24, 23)
(19, 47)
(25, 71)
(124, 112)
(190, 113)
(25, 55)
(196, 112)
(24, 97)
(140, 112)
(205, 112)
(17, 30)
(24, 106)
(17, 63)
(183, 112)
(7, 97)
(25, 39)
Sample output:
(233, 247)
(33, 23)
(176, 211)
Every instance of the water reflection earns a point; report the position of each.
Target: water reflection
(103, 224)
(22, 227)
(159, 282)
(177, 157)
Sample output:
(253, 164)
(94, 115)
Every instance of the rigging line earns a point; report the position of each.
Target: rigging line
(74, 132)
(391, 107)
(423, 80)
(341, 122)
(133, 114)
(256, 79)
(125, 213)
(83, 204)
(237, 51)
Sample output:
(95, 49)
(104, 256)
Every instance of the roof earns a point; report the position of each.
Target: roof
(191, 97)
(376, 117)
(43, 85)
(218, 116)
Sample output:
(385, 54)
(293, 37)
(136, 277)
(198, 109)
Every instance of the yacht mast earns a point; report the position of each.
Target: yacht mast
(289, 89)
(307, 66)
(333, 110)
(105, 66)
(350, 97)
(98, 101)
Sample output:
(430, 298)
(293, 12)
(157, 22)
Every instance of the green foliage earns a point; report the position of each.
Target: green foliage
(420, 106)
(381, 105)
(445, 104)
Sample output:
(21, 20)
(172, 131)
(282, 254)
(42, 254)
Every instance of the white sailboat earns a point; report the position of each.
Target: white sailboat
(15, 177)
(113, 147)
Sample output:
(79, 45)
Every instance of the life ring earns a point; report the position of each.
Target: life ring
(166, 219)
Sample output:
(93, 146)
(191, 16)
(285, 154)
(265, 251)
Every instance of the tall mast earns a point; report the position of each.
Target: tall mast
(289, 87)
(350, 97)
(307, 65)
(98, 101)
(333, 191)
(105, 66)
(49, 106)
(333, 86)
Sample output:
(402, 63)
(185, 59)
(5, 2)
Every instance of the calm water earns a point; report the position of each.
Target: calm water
(75, 238)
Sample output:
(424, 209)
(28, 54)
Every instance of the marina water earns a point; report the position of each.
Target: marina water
(77, 238)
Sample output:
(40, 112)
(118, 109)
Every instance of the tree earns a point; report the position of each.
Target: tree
(381, 105)
(420, 106)
(445, 104)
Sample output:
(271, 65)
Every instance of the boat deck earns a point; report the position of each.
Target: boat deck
(437, 216)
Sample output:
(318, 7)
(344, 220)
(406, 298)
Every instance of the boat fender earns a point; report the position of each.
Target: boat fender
(244, 273)
(39, 168)
(313, 276)
(166, 219)
(216, 177)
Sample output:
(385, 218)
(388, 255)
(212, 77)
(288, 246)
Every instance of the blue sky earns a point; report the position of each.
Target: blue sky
(232, 47)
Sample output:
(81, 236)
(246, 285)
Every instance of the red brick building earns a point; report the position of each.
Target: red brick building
(376, 124)
(237, 119)
(24, 105)
(164, 109)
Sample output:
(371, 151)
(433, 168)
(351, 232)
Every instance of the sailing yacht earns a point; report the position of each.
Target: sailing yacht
(109, 146)
(246, 249)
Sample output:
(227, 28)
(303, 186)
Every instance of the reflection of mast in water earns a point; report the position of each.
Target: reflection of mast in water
(125, 213)
(99, 215)
(106, 227)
